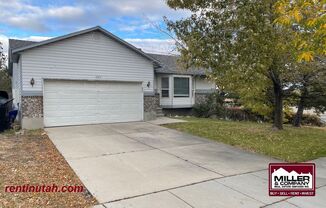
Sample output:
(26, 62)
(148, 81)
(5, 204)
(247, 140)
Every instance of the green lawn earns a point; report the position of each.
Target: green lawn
(291, 144)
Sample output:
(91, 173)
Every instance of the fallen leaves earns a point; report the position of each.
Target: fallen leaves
(31, 158)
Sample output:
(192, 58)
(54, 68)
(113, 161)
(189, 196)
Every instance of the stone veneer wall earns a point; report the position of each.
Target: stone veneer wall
(201, 97)
(151, 103)
(32, 106)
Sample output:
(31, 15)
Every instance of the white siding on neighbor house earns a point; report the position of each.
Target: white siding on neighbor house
(91, 56)
(323, 117)
(311, 112)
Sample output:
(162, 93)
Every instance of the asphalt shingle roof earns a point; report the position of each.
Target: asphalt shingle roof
(15, 43)
(170, 65)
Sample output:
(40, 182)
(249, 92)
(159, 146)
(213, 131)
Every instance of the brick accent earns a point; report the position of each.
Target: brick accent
(151, 102)
(201, 97)
(32, 106)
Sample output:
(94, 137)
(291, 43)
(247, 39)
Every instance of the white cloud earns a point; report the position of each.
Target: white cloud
(154, 9)
(65, 12)
(20, 14)
(160, 46)
(23, 14)
(131, 28)
(34, 38)
(26, 22)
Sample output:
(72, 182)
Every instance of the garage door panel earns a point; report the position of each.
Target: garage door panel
(117, 101)
(76, 96)
(68, 103)
(69, 94)
(85, 102)
(63, 121)
(74, 113)
(120, 95)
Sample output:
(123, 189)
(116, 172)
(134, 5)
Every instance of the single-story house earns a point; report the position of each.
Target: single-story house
(92, 76)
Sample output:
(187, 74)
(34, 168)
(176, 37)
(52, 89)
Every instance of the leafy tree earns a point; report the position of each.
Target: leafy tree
(239, 40)
(309, 91)
(247, 47)
(5, 80)
(308, 21)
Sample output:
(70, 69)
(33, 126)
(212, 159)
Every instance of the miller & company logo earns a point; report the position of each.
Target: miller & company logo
(291, 179)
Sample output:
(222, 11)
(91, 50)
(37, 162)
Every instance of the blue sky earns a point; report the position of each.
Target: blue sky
(132, 20)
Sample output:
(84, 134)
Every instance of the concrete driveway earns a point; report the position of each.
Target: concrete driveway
(142, 165)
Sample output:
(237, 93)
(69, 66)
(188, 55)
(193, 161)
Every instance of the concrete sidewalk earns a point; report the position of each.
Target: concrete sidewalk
(140, 165)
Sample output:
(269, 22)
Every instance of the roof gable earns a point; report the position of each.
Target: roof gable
(163, 63)
(19, 46)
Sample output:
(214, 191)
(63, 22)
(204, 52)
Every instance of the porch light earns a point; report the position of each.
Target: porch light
(32, 82)
(148, 84)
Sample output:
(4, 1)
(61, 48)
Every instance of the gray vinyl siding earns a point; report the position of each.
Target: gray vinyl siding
(204, 84)
(91, 56)
(16, 85)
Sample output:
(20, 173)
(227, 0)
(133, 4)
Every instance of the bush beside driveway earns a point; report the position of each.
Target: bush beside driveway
(292, 144)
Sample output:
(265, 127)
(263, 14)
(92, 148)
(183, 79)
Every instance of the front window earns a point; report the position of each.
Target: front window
(165, 87)
(181, 87)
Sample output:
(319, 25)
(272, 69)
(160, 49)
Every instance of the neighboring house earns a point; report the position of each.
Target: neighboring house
(322, 116)
(92, 76)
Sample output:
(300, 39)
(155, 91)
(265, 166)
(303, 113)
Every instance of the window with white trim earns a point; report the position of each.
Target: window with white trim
(165, 87)
(181, 87)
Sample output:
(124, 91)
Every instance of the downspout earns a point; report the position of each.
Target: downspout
(172, 90)
(194, 91)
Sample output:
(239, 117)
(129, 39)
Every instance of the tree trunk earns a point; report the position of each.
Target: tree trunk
(298, 116)
(278, 106)
(301, 106)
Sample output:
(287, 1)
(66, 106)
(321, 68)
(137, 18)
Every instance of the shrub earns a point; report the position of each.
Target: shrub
(312, 120)
(213, 106)
(201, 110)
(5, 81)
(240, 114)
(307, 119)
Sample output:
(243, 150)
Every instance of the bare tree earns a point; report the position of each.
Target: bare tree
(3, 58)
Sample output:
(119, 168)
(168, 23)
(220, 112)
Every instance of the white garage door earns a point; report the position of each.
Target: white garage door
(87, 102)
